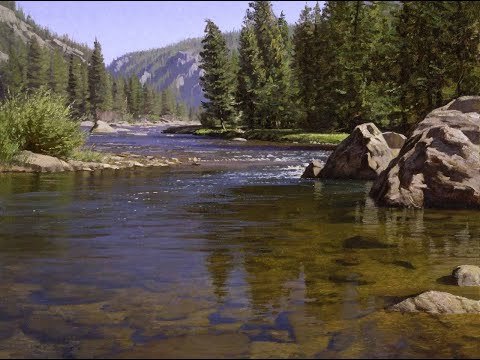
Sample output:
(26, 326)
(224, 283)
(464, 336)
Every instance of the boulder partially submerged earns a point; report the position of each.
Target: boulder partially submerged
(439, 165)
(467, 275)
(103, 128)
(312, 170)
(362, 155)
(436, 302)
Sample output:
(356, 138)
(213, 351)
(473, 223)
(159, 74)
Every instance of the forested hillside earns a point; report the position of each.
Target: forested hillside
(175, 67)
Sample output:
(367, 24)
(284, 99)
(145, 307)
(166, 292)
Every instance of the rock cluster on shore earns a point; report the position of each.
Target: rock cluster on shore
(27, 161)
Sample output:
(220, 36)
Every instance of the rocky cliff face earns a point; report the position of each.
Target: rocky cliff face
(179, 70)
(175, 66)
(9, 20)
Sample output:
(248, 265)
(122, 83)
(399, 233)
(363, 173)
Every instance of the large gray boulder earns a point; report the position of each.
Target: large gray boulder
(436, 302)
(103, 128)
(439, 165)
(362, 155)
(41, 163)
(467, 275)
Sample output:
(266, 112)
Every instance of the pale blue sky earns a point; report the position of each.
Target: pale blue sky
(125, 26)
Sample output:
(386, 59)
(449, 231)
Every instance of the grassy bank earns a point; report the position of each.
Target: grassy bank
(274, 135)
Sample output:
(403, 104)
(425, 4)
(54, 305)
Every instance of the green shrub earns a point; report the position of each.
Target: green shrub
(39, 122)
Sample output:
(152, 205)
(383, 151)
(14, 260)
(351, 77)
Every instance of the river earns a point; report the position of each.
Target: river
(236, 257)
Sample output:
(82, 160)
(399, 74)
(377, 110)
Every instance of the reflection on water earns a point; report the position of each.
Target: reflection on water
(223, 261)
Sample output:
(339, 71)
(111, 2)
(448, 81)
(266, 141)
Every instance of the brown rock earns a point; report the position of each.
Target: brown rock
(312, 170)
(394, 140)
(362, 155)
(439, 165)
(41, 163)
(436, 302)
(467, 275)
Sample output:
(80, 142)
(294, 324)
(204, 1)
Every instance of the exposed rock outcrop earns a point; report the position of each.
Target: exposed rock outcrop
(362, 155)
(25, 31)
(312, 170)
(41, 163)
(439, 165)
(467, 275)
(103, 128)
(394, 140)
(436, 302)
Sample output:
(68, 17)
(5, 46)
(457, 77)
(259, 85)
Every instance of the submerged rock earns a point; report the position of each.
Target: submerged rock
(439, 165)
(362, 155)
(312, 170)
(467, 275)
(437, 302)
(404, 264)
(359, 242)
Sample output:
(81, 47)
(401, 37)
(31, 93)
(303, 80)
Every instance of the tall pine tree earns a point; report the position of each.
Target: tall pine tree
(217, 78)
(96, 81)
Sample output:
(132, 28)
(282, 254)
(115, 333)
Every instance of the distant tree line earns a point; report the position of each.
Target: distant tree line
(348, 63)
(83, 81)
(87, 87)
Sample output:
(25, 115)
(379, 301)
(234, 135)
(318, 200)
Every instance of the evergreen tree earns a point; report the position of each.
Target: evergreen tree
(73, 86)
(168, 102)
(250, 78)
(217, 78)
(96, 81)
(303, 64)
(84, 93)
(119, 98)
(58, 73)
(134, 96)
(107, 103)
(36, 69)
(14, 72)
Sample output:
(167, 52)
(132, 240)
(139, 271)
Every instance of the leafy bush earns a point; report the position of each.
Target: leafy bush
(39, 122)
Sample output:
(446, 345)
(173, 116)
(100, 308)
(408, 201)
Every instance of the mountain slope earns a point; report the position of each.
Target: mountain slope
(175, 66)
(15, 27)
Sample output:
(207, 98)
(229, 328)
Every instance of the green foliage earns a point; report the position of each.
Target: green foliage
(96, 80)
(88, 155)
(264, 93)
(217, 79)
(36, 65)
(39, 122)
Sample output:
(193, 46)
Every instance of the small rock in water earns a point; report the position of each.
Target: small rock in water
(359, 242)
(349, 261)
(405, 264)
(349, 279)
(467, 275)
(239, 139)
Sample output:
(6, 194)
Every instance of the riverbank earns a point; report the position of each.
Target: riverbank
(328, 141)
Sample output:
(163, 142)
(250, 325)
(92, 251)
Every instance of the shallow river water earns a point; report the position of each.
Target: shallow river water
(236, 257)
